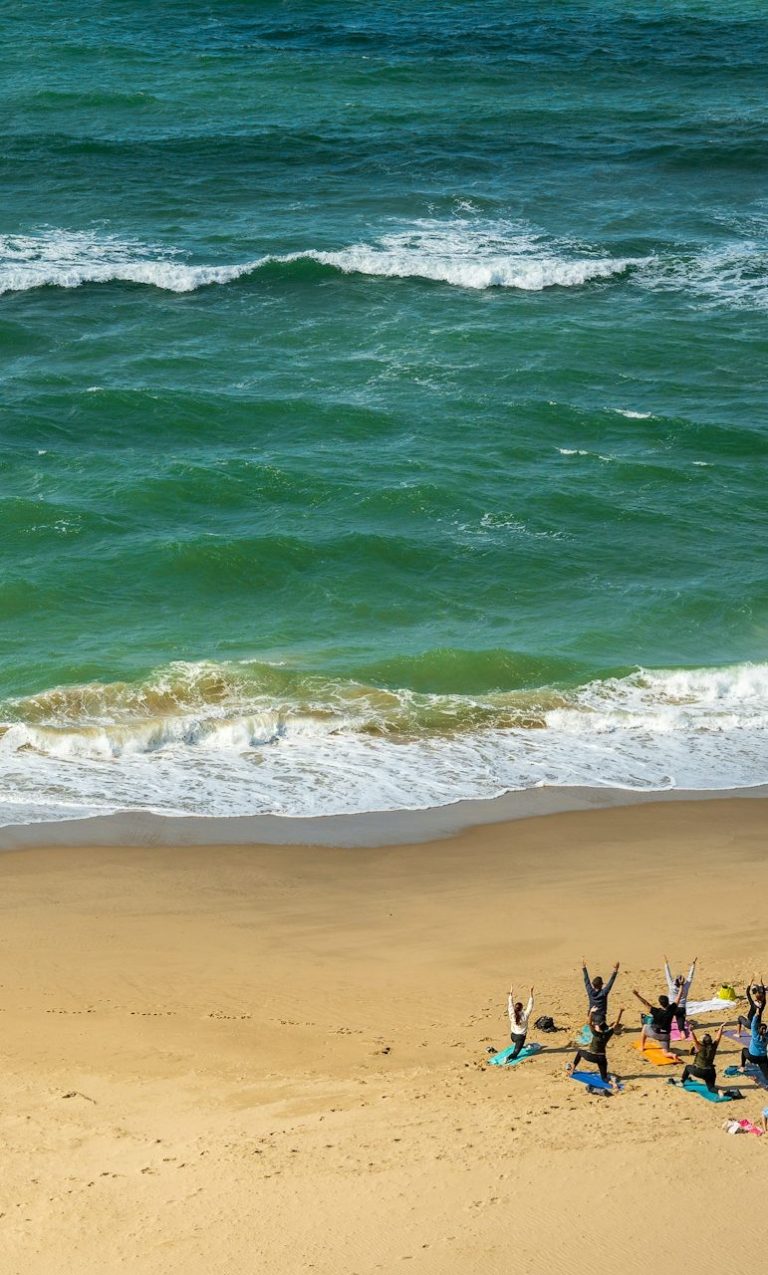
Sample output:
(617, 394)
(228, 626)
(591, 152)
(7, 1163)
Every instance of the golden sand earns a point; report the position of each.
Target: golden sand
(270, 1059)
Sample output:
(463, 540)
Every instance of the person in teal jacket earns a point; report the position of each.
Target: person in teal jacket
(757, 1054)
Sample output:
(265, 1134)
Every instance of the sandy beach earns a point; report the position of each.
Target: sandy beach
(271, 1058)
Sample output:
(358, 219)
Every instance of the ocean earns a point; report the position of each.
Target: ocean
(383, 409)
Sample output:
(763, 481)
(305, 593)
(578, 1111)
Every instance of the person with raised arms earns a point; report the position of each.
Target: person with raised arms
(518, 1022)
(596, 1053)
(757, 1053)
(662, 1016)
(598, 992)
(678, 989)
(703, 1065)
(755, 994)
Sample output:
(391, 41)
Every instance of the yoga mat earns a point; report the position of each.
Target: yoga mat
(751, 1072)
(593, 1080)
(503, 1059)
(676, 1034)
(741, 1039)
(653, 1053)
(697, 1087)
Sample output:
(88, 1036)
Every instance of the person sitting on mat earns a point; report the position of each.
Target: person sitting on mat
(755, 994)
(703, 1065)
(674, 986)
(518, 1022)
(598, 992)
(596, 1052)
(662, 1017)
(757, 1054)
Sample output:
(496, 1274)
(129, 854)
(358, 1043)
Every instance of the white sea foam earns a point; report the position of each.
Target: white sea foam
(467, 253)
(99, 750)
(463, 251)
(733, 275)
(66, 259)
(474, 254)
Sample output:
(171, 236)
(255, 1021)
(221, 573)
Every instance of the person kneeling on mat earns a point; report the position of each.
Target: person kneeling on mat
(662, 1016)
(755, 995)
(596, 1053)
(757, 1054)
(518, 1022)
(703, 1065)
(679, 988)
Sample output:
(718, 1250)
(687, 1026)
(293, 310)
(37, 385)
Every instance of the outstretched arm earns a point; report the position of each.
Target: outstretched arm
(692, 970)
(641, 998)
(587, 979)
(618, 1019)
(695, 1039)
(612, 979)
(668, 975)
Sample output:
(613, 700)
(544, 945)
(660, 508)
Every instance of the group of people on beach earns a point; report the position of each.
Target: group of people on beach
(657, 1022)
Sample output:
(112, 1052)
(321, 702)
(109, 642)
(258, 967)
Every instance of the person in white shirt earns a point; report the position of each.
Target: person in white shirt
(678, 988)
(518, 1021)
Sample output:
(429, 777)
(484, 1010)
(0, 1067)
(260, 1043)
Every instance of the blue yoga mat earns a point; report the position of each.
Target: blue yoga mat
(503, 1059)
(695, 1086)
(750, 1072)
(593, 1080)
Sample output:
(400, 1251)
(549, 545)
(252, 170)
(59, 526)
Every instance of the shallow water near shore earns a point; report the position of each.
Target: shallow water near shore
(384, 418)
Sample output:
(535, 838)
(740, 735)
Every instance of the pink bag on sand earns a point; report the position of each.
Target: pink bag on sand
(742, 1126)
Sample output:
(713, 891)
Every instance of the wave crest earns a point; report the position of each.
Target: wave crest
(279, 697)
(255, 738)
(461, 253)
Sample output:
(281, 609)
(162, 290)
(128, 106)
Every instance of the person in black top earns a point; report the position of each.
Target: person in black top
(597, 993)
(755, 994)
(662, 1016)
(703, 1065)
(596, 1053)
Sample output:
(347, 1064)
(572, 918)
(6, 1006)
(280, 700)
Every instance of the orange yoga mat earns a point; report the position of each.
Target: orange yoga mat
(656, 1054)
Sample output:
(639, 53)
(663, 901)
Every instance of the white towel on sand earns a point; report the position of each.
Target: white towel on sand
(709, 1007)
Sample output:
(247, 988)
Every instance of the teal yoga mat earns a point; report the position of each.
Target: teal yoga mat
(502, 1059)
(695, 1086)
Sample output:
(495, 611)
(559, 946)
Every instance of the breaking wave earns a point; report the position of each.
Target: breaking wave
(462, 253)
(467, 253)
(254, 738)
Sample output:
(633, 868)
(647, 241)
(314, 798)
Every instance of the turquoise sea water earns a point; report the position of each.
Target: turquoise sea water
(383, 402)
